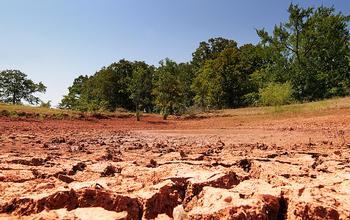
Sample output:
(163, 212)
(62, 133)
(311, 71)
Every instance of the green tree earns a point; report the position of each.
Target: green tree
(187, 75)
(106, 90)
(15, 87)
(208, 86)
(225, 80)
(312, 49)
(328, 59)
(73, 99)
(168, 88)
(140, 87)
(210, 50)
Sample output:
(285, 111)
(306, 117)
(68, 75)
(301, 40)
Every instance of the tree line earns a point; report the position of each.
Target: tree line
(305, 58)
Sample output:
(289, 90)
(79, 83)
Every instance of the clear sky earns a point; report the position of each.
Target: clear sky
(54, 41)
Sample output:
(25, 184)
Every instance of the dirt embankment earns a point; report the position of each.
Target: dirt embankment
(214, 168)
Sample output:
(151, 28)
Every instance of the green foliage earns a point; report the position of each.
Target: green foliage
(168, 88)
(311, 51)
(305, 58)
(73, 99)
(251, 99)
(140, 87)
(208, 86)
(276, 94)
(210, 50)
(187, 75)
(225, 80)
(110, 88)
(15, 87)
(45, 104)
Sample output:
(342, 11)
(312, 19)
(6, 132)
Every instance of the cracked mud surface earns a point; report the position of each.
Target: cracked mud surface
(214, 168)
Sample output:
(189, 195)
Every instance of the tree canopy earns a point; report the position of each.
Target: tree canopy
(140, 87)
(168, 88)
(306, 57)
(311, 50)
(15, 87)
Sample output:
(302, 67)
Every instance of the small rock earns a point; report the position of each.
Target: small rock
(261, 146)
(152, 164)
(79, 167)
(38, 174)
(272, 156)
(98, 186)
(183, 154)
(110, 170)
(245, 164)
(163, 198)
(337, 152)
(37, 161)
(179, 213)
(73, 148)
(228, 199)
(65, 178)
(218, 180)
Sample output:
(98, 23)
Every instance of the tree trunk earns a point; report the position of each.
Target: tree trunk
(14, 98)
(137, 113)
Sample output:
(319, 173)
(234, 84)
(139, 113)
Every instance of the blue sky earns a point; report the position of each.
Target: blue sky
(54, 41)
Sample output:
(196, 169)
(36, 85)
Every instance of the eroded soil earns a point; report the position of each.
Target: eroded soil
(214, 168)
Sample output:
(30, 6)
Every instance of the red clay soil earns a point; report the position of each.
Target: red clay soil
(211, 168)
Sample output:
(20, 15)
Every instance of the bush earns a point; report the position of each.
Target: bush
(276, 94)
(45, 104)
(120, 109)
(251, 99)
(192, 112)
(5, 113)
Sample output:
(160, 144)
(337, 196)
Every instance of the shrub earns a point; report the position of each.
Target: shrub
(276, 94)
(5, 113)
(120, 109)
(251, 99)
(192, 112)
(45, 104)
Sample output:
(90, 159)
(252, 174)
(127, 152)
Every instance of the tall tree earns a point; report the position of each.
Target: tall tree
(210, 50)
(168, 88)
(328, 59)
(313, 46)
(225, 80)
(108, 89)
(73, 99)
(187, 75)
(140, 87)
(15, 87)
(208, 86)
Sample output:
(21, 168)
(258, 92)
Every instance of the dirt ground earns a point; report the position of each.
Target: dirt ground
(259, 167)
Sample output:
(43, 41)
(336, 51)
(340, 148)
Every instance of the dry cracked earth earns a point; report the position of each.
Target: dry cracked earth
(215, 168)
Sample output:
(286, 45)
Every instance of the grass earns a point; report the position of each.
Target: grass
(25, 111)
(318, 107)
(312, 108)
